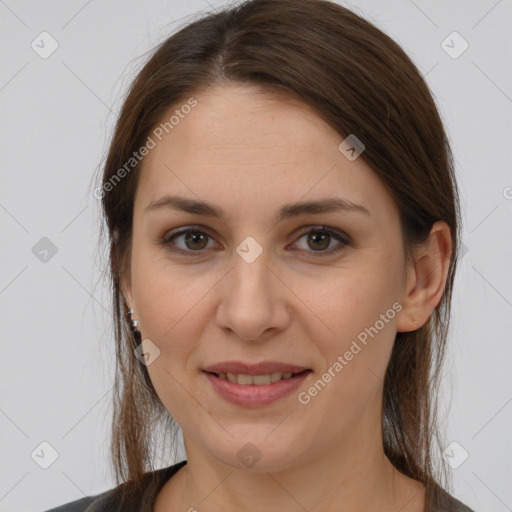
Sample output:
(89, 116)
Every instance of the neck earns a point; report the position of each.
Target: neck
(354, 477)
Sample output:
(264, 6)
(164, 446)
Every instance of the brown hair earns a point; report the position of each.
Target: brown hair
(360, 82)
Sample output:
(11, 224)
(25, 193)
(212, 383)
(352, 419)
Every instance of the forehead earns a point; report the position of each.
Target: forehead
(231, 119)
(243, 144)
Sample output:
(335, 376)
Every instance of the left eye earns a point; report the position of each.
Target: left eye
(322, 237)
(319, 237)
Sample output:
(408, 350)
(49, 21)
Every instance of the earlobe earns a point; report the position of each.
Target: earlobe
(426, 281)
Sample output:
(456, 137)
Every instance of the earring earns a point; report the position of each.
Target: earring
(414, 322)
(134, 323)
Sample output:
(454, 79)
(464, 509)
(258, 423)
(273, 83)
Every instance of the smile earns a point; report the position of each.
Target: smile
(255, 390)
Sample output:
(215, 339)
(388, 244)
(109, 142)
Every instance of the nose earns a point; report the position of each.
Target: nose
(254, 301)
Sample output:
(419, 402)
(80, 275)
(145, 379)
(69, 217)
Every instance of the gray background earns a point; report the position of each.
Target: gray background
(57, 115)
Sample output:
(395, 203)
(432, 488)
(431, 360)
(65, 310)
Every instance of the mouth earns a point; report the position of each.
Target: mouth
(257, 380)
(255, 390)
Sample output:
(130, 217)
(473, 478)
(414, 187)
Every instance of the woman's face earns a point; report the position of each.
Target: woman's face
(256, 286)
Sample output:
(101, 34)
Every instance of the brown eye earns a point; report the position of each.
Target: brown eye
(319, 239)
(195, 241)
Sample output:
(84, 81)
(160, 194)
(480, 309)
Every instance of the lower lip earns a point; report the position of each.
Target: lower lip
(251, 395)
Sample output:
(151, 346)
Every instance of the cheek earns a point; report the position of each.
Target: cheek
(158, 289)
(349, 301)
(165, 312)
(360, 309)
(355, 358)
(170, 305)
(167, 306)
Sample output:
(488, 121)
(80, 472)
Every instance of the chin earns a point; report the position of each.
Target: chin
(256, 453)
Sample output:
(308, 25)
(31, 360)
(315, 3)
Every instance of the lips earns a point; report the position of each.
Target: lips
(263, 368)
(250, 395)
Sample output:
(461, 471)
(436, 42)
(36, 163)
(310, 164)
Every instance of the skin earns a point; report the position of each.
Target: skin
(265, 150)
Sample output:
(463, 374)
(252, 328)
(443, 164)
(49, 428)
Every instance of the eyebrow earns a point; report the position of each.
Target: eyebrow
(287, 211)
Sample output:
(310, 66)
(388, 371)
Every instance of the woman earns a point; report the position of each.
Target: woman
(283, 221)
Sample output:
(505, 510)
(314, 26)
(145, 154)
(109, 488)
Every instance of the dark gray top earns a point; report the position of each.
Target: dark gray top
(110, 501)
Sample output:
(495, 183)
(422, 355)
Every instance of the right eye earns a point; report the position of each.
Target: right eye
(194, 240)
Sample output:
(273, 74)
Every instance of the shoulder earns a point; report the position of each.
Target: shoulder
(83, 504)
(98, 503)
(442, 501)
(110, 501)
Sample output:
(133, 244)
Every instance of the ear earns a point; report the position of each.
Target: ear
(426, 279)
(126, 289)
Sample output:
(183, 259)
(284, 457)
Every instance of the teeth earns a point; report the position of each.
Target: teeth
(257, 380)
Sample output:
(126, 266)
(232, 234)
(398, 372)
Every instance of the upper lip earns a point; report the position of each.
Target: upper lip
(263, 368)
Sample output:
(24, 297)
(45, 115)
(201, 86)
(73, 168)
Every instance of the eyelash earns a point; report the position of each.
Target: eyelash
(343, 238)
